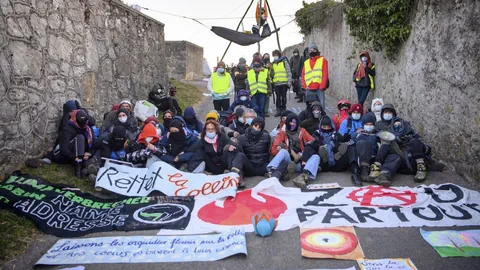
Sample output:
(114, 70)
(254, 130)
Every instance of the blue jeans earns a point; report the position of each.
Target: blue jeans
(259, 100)
(320, 96)
(362, 93)
(311, 166)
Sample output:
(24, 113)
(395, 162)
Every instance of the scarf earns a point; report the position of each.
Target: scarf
(213, 142)
(361, 69)
(177, 142)
(87, 132)
(294, 140)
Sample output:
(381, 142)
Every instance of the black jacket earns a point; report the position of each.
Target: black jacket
(256, 148)
(238, 127)
(215, 157)
(66, 135)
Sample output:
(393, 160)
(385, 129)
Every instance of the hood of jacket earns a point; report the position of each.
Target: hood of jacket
(189, 113)
(406, 127)
(390, 107)
(375, 100)
(289, 119)
(326, 118)
(242, 93)
(366, 54)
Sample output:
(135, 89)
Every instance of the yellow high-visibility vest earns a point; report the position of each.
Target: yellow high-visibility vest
(259, 85)
(280, 73)
(372, 83)
(314, 75)
(220, 84)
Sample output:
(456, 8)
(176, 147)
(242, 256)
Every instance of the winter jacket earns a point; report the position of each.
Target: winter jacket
(240, 77)
(348, 128)
(405, 133)
(369, 72)
(193, 124)
(294, 63)
(287, 69)
(238, 127)
(247, 103)
(110, 120)
(316, 86)
(378, 115)
(256, 148)
(303, 58)
(311, 123)
(66, 135)
(215, 157)
(371, 138)
(385, 124)
(104, 146)
(282, 139)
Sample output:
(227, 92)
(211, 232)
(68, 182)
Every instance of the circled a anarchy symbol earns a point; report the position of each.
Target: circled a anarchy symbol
(366, 196)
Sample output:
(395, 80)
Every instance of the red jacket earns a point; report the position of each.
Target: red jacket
(304, 137)
(316, 86)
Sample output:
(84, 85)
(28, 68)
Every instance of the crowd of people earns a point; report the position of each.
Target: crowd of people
(297, 149)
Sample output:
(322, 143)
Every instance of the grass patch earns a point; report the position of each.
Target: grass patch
(17, 232)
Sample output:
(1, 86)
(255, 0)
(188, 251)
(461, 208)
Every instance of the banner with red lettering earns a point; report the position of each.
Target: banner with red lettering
(367, 207)
(165, 178)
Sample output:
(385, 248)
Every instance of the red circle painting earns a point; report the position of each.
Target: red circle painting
(329, 241)
(240, 210)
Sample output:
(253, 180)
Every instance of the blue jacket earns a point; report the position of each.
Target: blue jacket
(191, 121)
(355, 124)
(372, 138)
(248, 103)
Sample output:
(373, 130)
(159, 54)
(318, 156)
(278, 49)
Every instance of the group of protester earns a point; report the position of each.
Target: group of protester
(303, 144)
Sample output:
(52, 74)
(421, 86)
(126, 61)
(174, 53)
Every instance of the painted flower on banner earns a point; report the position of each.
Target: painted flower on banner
(381, 196)
(240, 210)
(329, 241)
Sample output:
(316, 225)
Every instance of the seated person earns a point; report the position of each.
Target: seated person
(243, 99)
(139, 151)
(249, 157)
(210, 150)
(295, 143)
(311, 123)
(307, 112)
(124, 120)
(159, 97)
(167, 119)
(113, 116)
(343, 107)
(377, 105)
(71, 106)
(115, 107)
(238, 126)
(154, 121)
(366, 146)
(407, 154)
(192, 122)
(283, 118)
(387, 113)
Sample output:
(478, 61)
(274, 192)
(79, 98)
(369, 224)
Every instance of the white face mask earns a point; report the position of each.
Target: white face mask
(364, 59)
(356, 116)
(377, 108)
(123, 119)
(149, 139)
(368, 128)
(241, 120)
(243, 98)
(275, 58)
(387, 116)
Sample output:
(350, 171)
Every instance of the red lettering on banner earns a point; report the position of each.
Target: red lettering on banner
(380, 196)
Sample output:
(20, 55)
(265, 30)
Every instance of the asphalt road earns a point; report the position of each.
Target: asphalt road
(282, 249)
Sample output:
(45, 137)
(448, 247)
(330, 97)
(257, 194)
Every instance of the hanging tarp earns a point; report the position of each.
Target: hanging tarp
(241, 38)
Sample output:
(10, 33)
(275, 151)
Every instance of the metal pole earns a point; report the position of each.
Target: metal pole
(274, 25)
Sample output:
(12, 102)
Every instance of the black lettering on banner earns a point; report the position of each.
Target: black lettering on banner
(473, 206)
(108, 172)
(303, 213)
(365, 212)
(455, 189)
(397, 210)
(328, 194)
(337, 213)
(465, 214)
(438, 215)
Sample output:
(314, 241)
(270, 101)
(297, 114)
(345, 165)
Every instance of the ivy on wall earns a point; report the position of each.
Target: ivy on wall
(313, 15)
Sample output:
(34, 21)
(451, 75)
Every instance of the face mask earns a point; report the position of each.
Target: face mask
(378, 108)
(294, 126)
(295, 54)
(313, 54)
(242, 68)
(326, 130)
(221, 70)
(387, 116)
(123, 119)
(364, 59)
(149, 139)
(241, 120)
(256, 132)
(316, 114)
(210, 135)
(243, 98)
(249, 121)
(356, 116)
(368, 128)
(275, 58)
(82, 122)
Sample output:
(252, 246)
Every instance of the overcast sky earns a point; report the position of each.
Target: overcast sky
(213, 45)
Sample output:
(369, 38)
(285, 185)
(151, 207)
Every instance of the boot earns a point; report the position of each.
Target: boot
(78, 169)
(241, 183)
(278, 113)
(421, 173)
(300, 100)
(92, 178)
(267, 114)
(356, 178)
(292, 166)
(280, 171)
(374, 171)
(302, 180)
(296, 97)
(342, 149)
(323, 153)
(383, 179)
(93, 169)
(364, 173)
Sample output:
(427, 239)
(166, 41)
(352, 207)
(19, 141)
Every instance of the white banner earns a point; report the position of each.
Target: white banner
(165, 178)
(142, 249)
(367, 207)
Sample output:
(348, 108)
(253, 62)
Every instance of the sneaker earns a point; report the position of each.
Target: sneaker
(364, 173)
(268, 174)
(241, 183)
(374, 171)
(383, 179)
(421, 173)
(78, 169)
(93, 169)
(342, 149)
(183, 168)
(301, 181)
(46, 161)
(35, 162)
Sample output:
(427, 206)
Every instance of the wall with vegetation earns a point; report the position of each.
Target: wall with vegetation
(427, 65)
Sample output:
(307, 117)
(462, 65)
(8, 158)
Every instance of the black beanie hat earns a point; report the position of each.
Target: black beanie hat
(260, 121)
(119, 132)
(326, 121)
(239, 112)
(368, 118)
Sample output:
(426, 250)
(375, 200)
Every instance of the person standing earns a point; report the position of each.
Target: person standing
(315, 74)
(282, 80)
(221, 86)
(303, 58)
(268, 65)
(240, 75)
(258, 82)
(294, 63)
(363, 77)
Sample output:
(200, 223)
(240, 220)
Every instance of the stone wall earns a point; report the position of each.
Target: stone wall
(434, 82)
(96, 51)
(184, 60)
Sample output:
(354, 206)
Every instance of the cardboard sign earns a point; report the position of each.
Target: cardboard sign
(454, 243)
(391, 264)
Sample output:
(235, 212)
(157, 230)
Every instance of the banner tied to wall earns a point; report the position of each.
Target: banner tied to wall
(143, 249)
(368, 207)
(165, 178)
(67, 212)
